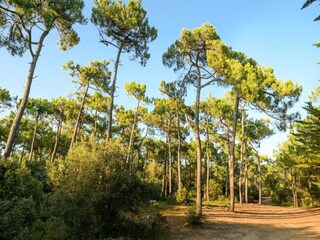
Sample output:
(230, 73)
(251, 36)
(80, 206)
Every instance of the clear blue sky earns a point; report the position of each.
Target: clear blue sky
(276, 33)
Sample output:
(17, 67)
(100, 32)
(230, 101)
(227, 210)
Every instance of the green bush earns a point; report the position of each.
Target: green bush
(194, 218)
(215, 190)
(21, 198)
(100, 197)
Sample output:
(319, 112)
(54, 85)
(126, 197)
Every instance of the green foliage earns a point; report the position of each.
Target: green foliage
(21, 202)
(5, 99)
(215, 190)
(17, 19)
(113, 206)
(124, 26)
(193, 218)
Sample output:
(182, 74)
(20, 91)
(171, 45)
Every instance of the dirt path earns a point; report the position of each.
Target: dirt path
(249, 222)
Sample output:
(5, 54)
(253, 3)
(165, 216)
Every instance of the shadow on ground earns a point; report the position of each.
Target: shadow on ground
(249, 222)
(238, 231)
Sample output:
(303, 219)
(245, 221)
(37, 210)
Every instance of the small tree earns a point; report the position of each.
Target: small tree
(95, 74)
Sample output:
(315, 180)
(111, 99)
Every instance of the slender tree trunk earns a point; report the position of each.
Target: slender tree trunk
(34, 137)
(56, 143)
(228, 164)
(170, 159)
(113, 89)
(75, 132)
(241, 156)
(246, 192)
(232, 154)
(179, 152)
(22, 155)
(198, 146)
(24, 100)
(208, 161)
(259, 180)
(130, 147)
(294, 189)
(164, 179)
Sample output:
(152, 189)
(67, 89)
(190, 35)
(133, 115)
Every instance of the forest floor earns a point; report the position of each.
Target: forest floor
(248, 222)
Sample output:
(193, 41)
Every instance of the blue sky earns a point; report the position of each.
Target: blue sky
(276, 33)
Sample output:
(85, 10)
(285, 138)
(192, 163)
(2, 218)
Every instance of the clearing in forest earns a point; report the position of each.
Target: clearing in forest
(249, 222)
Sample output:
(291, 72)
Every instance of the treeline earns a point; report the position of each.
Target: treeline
(86, 167)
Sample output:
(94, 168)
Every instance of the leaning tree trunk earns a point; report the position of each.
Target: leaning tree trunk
(198, 146)
(232, 146)
(113, 89)
(34, 136)
(75, 131)
(130, 147)
(55, 147)
(24, 100)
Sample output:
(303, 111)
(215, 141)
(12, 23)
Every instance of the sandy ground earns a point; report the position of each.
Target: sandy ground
(249, 222)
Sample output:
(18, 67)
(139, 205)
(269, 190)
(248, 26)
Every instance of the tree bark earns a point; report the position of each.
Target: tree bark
(179, 152)
(113, 89)
(259, 180)
(246, 192)
(231, 165)
(170, 159)
(208, 161)
(241, 156)
(198, 146)
(34, 137)
(75, 131)
(130, 147)
(164, 180)
(55, 147)
(24, 100)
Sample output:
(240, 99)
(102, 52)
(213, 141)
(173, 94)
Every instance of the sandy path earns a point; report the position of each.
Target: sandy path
(250, 221)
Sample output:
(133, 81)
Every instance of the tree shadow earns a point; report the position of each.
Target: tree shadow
(250, 222)
(240, 231)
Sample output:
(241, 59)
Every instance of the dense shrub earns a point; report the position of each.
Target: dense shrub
(194, 218)
(99, 197)
(21, 199)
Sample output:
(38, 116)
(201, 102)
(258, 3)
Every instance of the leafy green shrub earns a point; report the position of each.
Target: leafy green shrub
(21, 198)
(96, 197)
(215, 190)
(194, 218)
(182, 196)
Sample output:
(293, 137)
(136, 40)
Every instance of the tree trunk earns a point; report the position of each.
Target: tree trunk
(24, 100)
(246, 192)
(259, 180)
(232, 145)
(198, 146)
(179, 152)
(34, 137)
(113, 89)
(164, 179)
(228, 164)
(294, 189)
(170, 160)
(55, 147)
(75, 132)
(130, 147)
(208, 161)
(241, 156)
